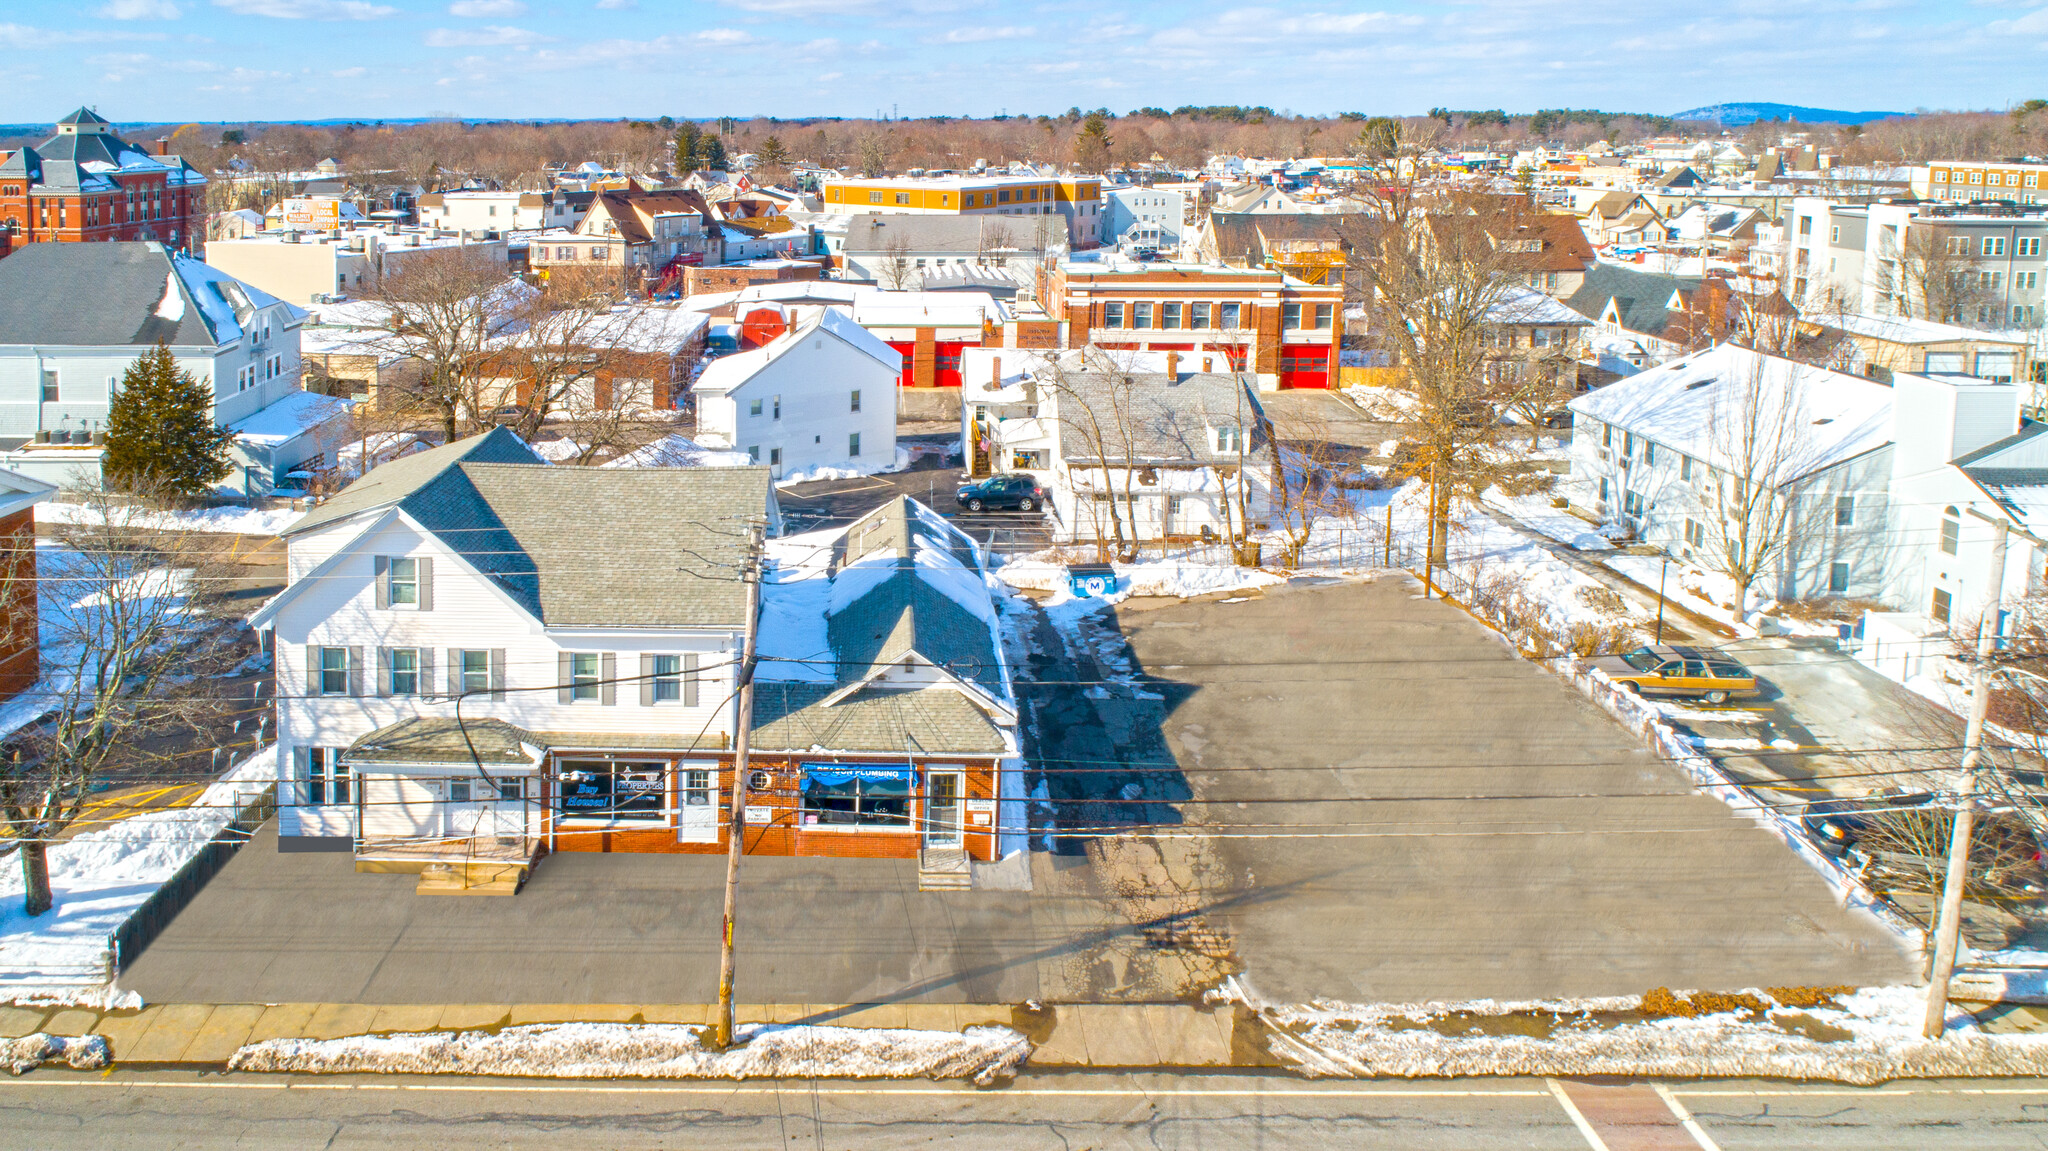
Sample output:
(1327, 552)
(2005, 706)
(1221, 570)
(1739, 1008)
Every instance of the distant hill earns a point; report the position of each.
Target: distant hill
(1738, 115)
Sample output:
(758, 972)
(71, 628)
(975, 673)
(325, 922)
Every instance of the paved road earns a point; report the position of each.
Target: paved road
(1056, 1112)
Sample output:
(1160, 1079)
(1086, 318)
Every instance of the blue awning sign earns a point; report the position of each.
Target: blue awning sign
(834, 774)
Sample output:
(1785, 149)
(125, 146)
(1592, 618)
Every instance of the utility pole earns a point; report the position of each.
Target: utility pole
(736, 822)
(1948, 924)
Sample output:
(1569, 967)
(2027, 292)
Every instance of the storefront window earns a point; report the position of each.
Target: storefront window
(856, 794)
(611, 790)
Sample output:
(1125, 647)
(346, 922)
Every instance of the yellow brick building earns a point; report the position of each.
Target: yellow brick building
(1076, 198)
(1981, 180)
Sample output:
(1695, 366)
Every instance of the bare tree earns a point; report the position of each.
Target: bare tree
(1434, 266)
(995, 242)
(1936, 278)
(1755, 515)
(874, 149)
(131, 637)
(440, 310)
(896, 265)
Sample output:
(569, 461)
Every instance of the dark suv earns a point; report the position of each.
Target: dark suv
(1019, 492)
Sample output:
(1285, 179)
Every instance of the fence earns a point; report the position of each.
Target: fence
(160, 908)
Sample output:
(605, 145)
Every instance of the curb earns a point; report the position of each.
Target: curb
(206, 1035)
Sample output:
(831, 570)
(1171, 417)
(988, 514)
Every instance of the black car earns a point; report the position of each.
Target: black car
(1835, 825)
(1019, 492)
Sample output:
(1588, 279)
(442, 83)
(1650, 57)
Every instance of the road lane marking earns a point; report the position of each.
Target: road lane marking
(1578, 1120)
(794, 1086)
(1685, 1119)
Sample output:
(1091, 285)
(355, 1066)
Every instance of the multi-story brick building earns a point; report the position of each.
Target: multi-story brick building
(2016, 180)
(1254, 319)
(86, 184)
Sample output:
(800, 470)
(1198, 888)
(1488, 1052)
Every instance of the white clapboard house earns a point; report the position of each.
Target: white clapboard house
(481, 658)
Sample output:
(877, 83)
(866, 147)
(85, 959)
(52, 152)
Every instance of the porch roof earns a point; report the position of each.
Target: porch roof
(435, 740)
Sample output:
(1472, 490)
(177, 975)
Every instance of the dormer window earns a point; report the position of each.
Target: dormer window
(1227, 439)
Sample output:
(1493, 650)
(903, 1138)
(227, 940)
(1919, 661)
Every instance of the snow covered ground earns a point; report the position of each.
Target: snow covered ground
(824, 472)
(1150, 578)
(101, 877)
(1862, 1036)
(246, 521)
(985, 1055)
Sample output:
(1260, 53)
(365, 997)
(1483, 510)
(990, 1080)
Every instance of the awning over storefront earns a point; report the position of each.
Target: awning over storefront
(436, 742)
(834, 774)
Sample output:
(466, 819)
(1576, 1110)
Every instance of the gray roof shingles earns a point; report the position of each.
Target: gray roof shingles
(96, 295)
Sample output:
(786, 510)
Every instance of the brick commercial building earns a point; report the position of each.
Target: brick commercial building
(85, 184)
(1252, 319)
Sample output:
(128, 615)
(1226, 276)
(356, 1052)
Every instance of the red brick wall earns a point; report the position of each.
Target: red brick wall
(19, 662)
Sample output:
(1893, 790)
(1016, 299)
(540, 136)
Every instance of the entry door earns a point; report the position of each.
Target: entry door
(697, 803)
(942, 809)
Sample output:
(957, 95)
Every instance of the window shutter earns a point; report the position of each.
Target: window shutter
(355, 670)
(607, 679)
(383, 671)
(689, 681)
(646, 679)
(424, 565)
(455, 672)
(312, 669)
(426, 671)
(498, 674)
(381, 567)
(565, 683)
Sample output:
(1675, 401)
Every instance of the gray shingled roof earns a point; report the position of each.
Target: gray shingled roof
(607, 547)
(1157, 419)
(97, 295)
(871, 232)
(927, 721)
(492, 742)
(593, 547)
(390, 483)
(905, 613)
(1639, 297)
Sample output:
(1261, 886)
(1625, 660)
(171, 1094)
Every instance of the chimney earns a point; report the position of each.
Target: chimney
(1173, 364)
(163, 145)
(995, 374)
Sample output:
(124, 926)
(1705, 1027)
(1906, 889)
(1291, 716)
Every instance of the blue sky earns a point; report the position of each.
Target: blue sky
(170, 60)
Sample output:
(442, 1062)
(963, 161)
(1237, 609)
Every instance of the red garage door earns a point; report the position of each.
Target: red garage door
(1304, 367)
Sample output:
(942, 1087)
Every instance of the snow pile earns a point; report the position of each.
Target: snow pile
(101, 877)
(898, 462)
(1866, 1037)
(1536, 514)
(80, 1053)
(1182, 578)
(243, 521)
(657, 1051)
(679, 451)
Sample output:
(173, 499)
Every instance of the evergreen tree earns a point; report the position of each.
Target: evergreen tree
(160, 432)
(1091, 147)
(710, 153)
(687, 135)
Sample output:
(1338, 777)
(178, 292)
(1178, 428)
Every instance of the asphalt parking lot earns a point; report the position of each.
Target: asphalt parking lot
(1350, 793)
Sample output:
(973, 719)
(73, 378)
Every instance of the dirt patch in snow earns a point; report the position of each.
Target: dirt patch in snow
(657, 1051)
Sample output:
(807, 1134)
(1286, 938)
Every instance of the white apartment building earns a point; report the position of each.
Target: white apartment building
(310, 267)
(820, 396)
(1147, 218)
(502, 211)
(1878, 259)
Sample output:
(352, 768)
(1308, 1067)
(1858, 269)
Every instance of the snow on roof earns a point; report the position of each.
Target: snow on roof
(1520, 305)
(807, 291)
(1694, 405)
(729, 372)
(926, 309)
(679, 451)
(1906, 330)
(224, 300)
(289, 418)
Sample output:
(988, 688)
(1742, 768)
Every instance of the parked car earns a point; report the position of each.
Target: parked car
(1005, 492)
(1835, 825)
(1668, 669)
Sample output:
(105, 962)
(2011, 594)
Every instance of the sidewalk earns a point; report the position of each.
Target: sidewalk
(1070, 1035)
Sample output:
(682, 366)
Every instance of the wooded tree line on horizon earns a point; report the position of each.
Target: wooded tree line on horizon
(512, 153)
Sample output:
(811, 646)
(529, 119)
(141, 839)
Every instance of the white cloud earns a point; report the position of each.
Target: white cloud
(349, 73)
(24, 36)
(618, 5)
(488, 36)
(478, 9)
(978, 35)
(308, 9)
(807, 7)
(138, 10)
(830, 76)
(728, 36)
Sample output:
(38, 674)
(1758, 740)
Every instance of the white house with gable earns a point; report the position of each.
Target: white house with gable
(819, 398)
